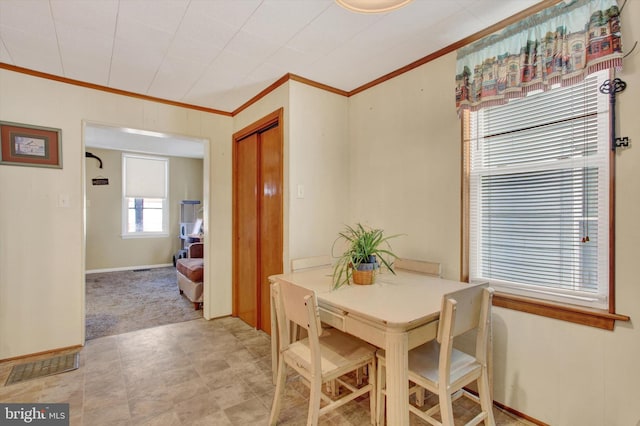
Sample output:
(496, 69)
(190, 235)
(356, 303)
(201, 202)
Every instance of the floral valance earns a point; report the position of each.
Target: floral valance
(559, 45)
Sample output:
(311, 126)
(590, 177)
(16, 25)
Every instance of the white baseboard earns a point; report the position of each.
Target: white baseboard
(127, 268)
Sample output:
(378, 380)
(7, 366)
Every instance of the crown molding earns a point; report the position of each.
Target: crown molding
(285, 78)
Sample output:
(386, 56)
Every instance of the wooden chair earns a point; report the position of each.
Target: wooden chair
(312, 262)
(443, 370)
(300, 264)
(323, 356)
(420, 266)
(423, 267)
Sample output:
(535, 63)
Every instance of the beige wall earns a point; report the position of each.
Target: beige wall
(405, 162)
(316, 156)
(319, 162)
(405, 144)
(42, 247)
(217, 208)
(105, 247)
(279, 98)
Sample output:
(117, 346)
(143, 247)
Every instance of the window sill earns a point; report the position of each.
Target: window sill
(585, 316)
(145, 235)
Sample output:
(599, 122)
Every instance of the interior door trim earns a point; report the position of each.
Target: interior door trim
(273, 119)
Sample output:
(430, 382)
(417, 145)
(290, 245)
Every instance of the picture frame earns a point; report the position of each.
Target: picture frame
(28, 145)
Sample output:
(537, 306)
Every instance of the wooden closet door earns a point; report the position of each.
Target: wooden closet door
(257, 218)
(270, 222)
(246, 247)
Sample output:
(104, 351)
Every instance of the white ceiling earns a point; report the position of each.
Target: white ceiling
(220, 53)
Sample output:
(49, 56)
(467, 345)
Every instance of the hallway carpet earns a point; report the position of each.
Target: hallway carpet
(124, 301)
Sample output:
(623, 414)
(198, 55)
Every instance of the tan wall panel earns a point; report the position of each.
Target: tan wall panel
(106, 249)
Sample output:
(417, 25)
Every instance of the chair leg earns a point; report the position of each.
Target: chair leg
(420, 397)
(446, 408)
(277, 398)
(485, 397)
(361, 373)
(373, 401)
(380, 400)
(314, 401)
(333, 388)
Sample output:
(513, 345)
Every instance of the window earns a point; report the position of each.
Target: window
(539, 194)
(144, 196)
(145, 215)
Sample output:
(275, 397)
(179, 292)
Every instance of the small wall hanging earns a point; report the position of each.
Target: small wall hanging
(27, 145)
(100, 181)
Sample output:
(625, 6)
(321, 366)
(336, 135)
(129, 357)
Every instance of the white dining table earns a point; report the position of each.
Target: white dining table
(398, 312)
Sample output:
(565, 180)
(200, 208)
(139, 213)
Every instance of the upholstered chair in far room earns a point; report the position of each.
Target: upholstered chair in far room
(443, 370)
(323, 356)
(189, 274)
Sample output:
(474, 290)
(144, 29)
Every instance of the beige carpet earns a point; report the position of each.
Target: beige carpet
(123, 301)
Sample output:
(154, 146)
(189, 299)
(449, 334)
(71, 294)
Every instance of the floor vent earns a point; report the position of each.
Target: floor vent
(43, 367)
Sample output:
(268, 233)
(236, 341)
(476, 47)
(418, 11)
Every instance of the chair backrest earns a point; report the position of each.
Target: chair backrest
(298, 305)
(195, 250)
(419, 266)
(310, 262)
(462, 311)
(468, 304)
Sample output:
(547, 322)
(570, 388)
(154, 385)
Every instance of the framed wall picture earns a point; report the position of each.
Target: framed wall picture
(27, 145)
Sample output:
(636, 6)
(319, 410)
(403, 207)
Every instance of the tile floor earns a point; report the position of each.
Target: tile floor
(192, 373)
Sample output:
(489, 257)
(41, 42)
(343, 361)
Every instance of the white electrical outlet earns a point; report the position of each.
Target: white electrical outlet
(300, 191)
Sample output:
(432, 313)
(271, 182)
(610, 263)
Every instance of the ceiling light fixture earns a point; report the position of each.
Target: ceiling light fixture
(372, 6)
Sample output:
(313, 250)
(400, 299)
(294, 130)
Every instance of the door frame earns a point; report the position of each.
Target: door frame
(266, 122)
(206, 159)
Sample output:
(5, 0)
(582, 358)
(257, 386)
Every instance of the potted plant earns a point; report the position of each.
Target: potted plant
(367, 249)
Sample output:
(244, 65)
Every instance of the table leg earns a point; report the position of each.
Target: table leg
(397, 347)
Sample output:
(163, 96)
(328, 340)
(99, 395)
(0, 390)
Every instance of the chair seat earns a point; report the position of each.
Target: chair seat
(423, 362)
(192, 268)
(339, 352)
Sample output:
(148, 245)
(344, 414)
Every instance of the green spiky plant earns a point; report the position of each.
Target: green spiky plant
(364, 244)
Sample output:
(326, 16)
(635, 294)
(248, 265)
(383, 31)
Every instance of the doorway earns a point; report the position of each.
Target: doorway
(257, 217)
(117, 263)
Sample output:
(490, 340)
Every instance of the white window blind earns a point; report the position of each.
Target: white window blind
(144, 176)
(539, 195)
(145, 210)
